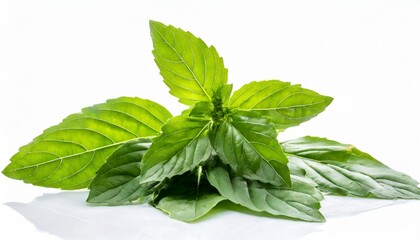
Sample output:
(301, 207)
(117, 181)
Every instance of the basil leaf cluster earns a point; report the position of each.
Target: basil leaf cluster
(223, 147)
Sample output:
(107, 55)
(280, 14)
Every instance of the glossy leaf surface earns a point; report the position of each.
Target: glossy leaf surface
(183, 144)
(68, 155)
(285, 104)
(117, 182)
(249, 145)
(192, 70)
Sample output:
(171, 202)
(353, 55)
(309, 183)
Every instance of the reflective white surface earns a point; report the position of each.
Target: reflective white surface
(66, 215)
(59, 56)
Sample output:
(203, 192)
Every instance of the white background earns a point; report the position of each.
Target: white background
(59, 56)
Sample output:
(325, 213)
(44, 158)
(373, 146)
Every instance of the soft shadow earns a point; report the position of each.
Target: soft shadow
(67, 216)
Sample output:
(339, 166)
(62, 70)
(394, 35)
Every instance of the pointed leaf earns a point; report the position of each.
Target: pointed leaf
(342, 169)
(187, 200)
(300, 202)
(68, 155)
(118, 181)
(192, 70)
(200, 110)
(249, 145)
(224, 92)
(183, 145)
(286, 105)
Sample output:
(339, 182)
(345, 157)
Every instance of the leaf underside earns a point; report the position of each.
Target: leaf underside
(117, 181)
(342, 169)
(68, 155)
(285, 104)
(192, 70)
(187, 199)
(300, 202)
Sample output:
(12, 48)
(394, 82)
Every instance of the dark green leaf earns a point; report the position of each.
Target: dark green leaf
(286, 105)
(68, 155)
(188, 199)
(249, 145)
(183, 145)
(342, 169)
(192, 70)
(300, 202)
(117, 181)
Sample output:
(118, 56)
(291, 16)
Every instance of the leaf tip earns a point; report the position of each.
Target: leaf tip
(325, 100)
(89, 198)
(320, 219)
(154, 26)
(7, 172)
(329, 99)
(153, 23)
(4, 172)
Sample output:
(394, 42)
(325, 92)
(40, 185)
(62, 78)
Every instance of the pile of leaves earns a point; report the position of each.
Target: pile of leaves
(224, 147)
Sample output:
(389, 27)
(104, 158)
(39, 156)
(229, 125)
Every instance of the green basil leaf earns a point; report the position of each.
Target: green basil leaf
(192, 70)
(342, 169)
(117, 181)
(187, 198)
(286, 105)
(224, 92)
(183, 145)
(249, 145)
(200, 110)
(300, 202)
(68, 155)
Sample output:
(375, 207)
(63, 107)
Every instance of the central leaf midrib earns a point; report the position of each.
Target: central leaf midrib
(249, 143)
(75, 154)
(177, 153)
(288, 107)
(187, 139)
(361, 184)
(192, 139)
(183, 61)
(327, 178)
(268, 193)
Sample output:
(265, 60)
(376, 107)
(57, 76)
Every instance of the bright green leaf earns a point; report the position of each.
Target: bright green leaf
(187, 199)
(342, 169)
(117, 181)
(192, 70)
(249, 145)
(286, 105)
(224, 92)
(201, 110)
(300, 202)
(68, 155)
(183, 145)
